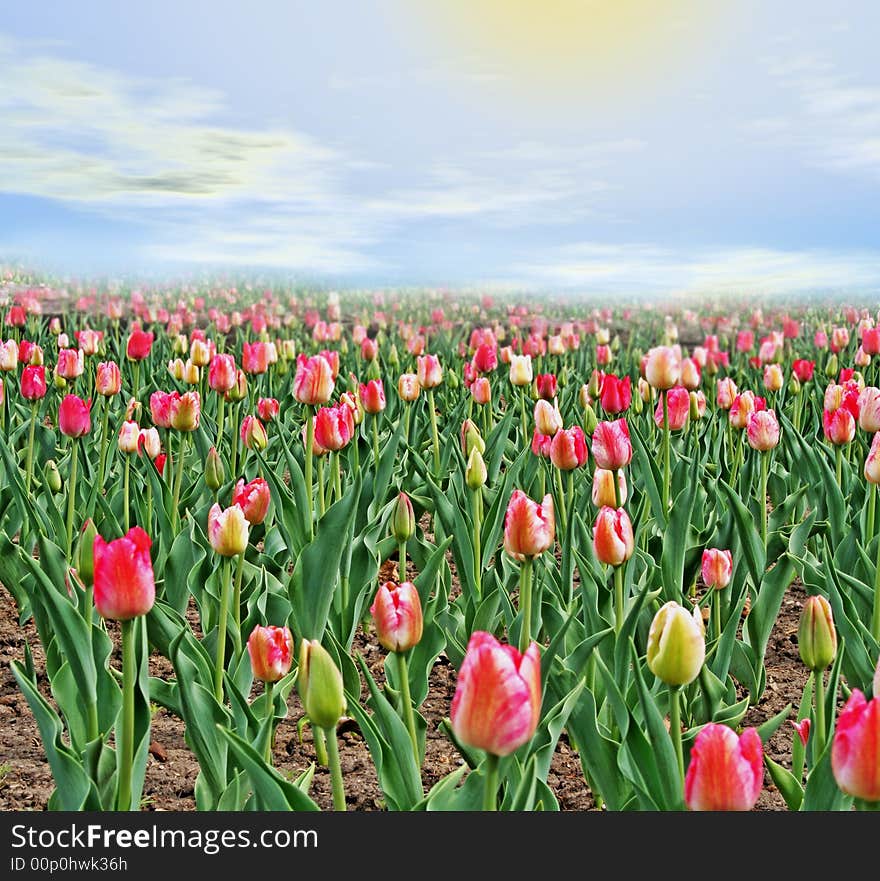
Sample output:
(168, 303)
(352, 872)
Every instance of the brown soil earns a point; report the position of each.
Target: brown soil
(26, 781)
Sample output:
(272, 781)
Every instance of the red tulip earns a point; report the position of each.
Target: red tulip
(613, 541)
(497, 702)
(541, 444)
(74, 417)
(717, 567)
(268, 409)
(803, 369)
(546, 386)
(745, 341)
(725, 771)
(485, 358)
(139, 345)
(313, 383)
(33, 383)
(871, 340)
(373, 396)
(334, 427)
(568, 449)
(802, 728)
(616, 395)
(397, 614)
(678, 406)
(221, 373)
(529, 527)
(253, 498)
(855, 751)
(16, 316)
(838, 425)
(611, 446)
(254, 357)
(123, 574)
(271, 652)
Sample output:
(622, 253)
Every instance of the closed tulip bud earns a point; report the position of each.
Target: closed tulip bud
(268, 409)
(403, 523)
(584, 398)
(186, 411)
(717, 568)
(690, 374)
(8, 356)
(547, 418)
(108, 380)
(594, 386)
(855, 750)
(139, 345)
(497, 701)
(662, 367)
(199, 353)
(476, 473)
(546, 386)
(123, 576)
(70, 364)
(334, 427)
(646, 393)
(190, 373)
(253, 433)
(58, 381)
(831, 366)
(773, 377)
(408, 387)
(676, 644)
(53, 476)
(794, 385)
(590, 420)
(128, 437)
(179, 344)
(372, 396)
(397, 616)
(470, 438)
(222, 373)
(521, 370)
(393, 358)
(227, 530)
(603, 488)
(817, 638)
(239, 391)
(726, 771)
(613, 541)
(678, 404)
(763, 430)
(725, 393)
(253, 498)
(320, 686)
(872, 462)
(33, 383)
(568, 449)
(697, 405)
(271, 652)
(85, 553)
(74, 418)
(869, 409)
(215, 473)
(529, 527)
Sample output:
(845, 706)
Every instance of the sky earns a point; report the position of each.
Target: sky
(597, 146)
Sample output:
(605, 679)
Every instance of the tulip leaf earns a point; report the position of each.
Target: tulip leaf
(651, 479)
(749, 540)
(787, 784)
(821, 792)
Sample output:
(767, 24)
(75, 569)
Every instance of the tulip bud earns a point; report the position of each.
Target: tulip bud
(238, 392)
(397, 615)
(794, 385)
(52, 476)
(215, 473)
(320, 686)
(271, 652)
(594, 387)
(831, 366)
(403, 523)
(817, 638)
(393, 358)
(476, 473)
(471, 439)
(590, 419)
(227, 530)
(676, 644)
(85, 553)
(253, 433)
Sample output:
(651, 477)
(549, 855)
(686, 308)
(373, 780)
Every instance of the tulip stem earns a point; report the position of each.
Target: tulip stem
(71, 491)
(490, 793)
(375, 427)
(310, 446)
(716, 611)
(666, 459)
(525, 603)
(618, 599)
(221, 418)
(615, 479)
(105, 418)
(233, 458)
(560, 489)
(875, 617)
(337, 478)
(434, 437)
(125, 483)
(322, 502)
(126, 738)
(872, 507)
(401, 561)
(406, 701)
(675, 727)
(270, 715)
(220, 655)
(523, 418)
(335, 770)
(477, 496)
(29, 470)
(178, 480)
(838, 463)
(819, 735)
(320, 746)
(764, 457)
(236, 595)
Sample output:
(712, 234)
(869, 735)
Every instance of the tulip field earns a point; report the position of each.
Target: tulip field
(280, 549)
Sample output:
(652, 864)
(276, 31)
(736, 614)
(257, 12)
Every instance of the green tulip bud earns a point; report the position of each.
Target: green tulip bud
(637, 404)
(831, 366)
(393, 358)
(373, 371)
(615, 343)
(319, 683)
(215, 473)
(403, 523)
(451, 378)
(595, 385)
(52, 476)
(59, 381)
(590, 419)
(676, 644)
(794, 385)
(476, 474)
(817, 638)
(85, 559)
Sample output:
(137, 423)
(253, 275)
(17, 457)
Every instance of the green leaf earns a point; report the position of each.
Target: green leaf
(787, 784)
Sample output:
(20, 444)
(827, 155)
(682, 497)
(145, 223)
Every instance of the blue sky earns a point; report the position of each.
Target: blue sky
(637, 146)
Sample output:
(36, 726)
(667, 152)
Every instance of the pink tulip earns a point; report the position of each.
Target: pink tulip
(541, 444)
(397, 614)
(529, 527)
(497, 702)
(185, 411)
(662, 367)
(869, 409)
(271, 652)
(139, 345)
(547, 418)
(253, 433)
(855, 751)
(313, 383)
(763, 430)
(872, 462)
(871, 340)
(74, 417)
(254, 357)
(369, 349)
(546, 386)
(744, 404)
(717, 567)
(611, 446)
(802, 728)
(430, 372)
(481, 390)
(160, 408)
(221, 373)
(485, 358)
(108, 380)
(678, 405)
(70, 363)
(33, 383)
(839, 426)
(568, 449)
(334, 427)
(616, 394)
(123, 575)
(613, 541)
(373, 396)
(726, 772)
(253, 498)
